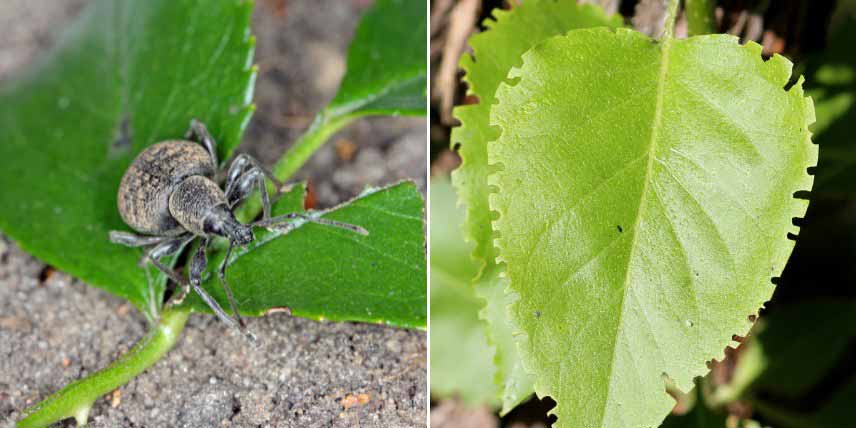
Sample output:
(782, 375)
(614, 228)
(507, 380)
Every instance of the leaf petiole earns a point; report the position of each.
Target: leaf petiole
(77, 398)
(671, 17)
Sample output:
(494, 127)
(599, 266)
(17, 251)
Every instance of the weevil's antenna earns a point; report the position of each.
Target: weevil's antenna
(323, 221)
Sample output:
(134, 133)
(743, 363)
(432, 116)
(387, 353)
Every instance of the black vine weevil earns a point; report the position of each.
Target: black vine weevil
(169, 196)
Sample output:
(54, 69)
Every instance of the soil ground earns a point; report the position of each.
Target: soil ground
(55, 329)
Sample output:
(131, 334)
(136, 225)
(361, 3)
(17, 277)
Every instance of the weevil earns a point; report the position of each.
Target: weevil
(169, 195)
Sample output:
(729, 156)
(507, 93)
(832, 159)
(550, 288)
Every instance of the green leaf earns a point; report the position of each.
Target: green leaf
(644, 198)
(460, 355)
(832, 85)
(513, 383)
(386, 75)
(386, 62)
(127, 75)
(496, 51)
(323, 272)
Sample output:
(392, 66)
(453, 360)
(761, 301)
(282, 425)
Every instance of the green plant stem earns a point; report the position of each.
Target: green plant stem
(325, 124)
(701, 18)
(671, 17)
(322, 128)
(77, 398)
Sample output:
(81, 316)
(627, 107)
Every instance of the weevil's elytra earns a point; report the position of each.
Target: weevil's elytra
(169, 196)
(153, 176)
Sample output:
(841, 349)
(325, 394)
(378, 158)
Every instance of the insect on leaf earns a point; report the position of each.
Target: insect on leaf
(128, 74)
(645, 194)
(323, 272)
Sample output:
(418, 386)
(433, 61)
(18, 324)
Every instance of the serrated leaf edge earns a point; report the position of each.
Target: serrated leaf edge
(493, 22)
(798, 209)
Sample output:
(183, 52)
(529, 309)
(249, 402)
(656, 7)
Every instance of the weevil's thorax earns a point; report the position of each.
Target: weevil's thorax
(146, 187)
(193, 202)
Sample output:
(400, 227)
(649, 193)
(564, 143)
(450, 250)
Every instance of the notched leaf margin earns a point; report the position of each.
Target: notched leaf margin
(780, 70)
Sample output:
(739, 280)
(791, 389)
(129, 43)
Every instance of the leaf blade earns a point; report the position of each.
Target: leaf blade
(105, 97)
(456, 329)
(386, 72)
(321, 272)
(515, 31)
(655, 227)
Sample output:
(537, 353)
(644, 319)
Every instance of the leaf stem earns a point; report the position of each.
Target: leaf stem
(701, 17)
(76, 398)
(322, 128)
(671, 17)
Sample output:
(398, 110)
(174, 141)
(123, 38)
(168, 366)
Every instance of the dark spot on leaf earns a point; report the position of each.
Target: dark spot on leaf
(122, 141)
(511, 82)
(620, 229)
(752, 318)
(537, 314)
(456, 147)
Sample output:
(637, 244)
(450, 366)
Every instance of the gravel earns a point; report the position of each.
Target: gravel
(55, 329)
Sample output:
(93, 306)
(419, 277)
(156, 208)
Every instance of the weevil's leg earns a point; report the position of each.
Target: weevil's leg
(239, 181)
(197, 266)
(134, 241)
(244, 186)
(200, 133)
(247, 159)
(170, 247)
(166, 248)
(236, 169)
(275, 221)
(221, 272)
(131, 240)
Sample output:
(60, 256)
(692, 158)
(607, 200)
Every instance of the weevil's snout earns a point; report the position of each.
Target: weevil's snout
(220, 221)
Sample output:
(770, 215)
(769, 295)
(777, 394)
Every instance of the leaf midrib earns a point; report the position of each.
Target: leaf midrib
(353, 107)
(652, 149)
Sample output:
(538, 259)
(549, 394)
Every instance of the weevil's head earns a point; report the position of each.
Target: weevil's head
(222, 222)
